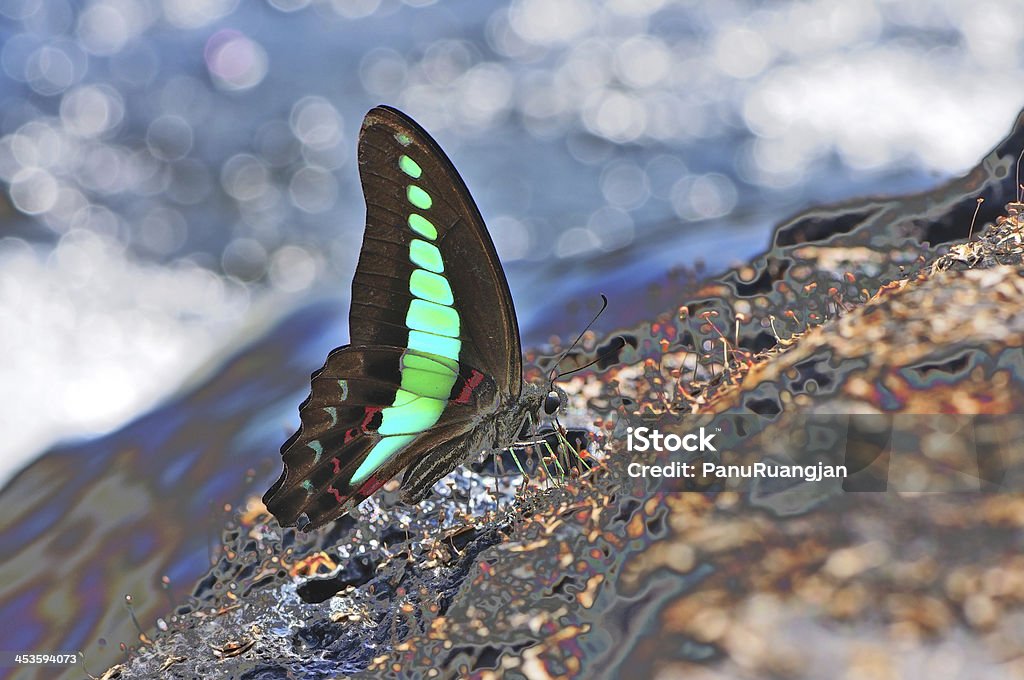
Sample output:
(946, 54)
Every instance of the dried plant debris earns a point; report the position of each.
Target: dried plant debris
(948, 309)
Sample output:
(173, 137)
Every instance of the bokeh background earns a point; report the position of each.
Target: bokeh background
(174, 170)
(179, 174)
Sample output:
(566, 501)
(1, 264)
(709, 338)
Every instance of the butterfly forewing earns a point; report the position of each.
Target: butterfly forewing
(416, 203)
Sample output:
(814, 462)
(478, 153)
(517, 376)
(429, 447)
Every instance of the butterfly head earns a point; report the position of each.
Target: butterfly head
(555, 401)
(542, 401)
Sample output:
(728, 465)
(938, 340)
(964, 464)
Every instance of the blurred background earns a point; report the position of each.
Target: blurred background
(176, 174)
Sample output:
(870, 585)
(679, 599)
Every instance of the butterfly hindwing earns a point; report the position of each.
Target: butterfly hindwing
(344, 422)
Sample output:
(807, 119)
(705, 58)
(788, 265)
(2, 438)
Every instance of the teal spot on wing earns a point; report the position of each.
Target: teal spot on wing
(431, 317)
(403, 138)
(422, 226)
(332, 411)
(343, 384)
(318, 449)
(418, 197)
(307, 485)
(432, 287)
(410, 167)
(426, 255)
(379, 454)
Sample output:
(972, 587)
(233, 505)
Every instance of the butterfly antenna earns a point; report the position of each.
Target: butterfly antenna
(604, 306)
(604, 355)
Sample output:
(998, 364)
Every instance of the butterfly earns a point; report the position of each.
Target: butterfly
(433, 371)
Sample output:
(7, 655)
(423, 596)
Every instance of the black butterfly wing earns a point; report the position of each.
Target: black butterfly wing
(428, 286)
(489, 333)
(340, 423)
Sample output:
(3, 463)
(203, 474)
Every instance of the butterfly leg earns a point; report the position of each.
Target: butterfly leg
(543, 445)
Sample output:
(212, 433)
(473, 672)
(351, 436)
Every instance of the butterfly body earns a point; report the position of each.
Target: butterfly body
(491, 430)
(433, 374)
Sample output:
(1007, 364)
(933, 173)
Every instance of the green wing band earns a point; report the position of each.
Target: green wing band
(430, 365)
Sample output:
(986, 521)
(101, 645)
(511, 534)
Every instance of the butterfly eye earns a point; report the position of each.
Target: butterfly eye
(551, 403)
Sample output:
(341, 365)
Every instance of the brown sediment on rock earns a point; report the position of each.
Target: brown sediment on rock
(966, 303)
(911, 324)
(862, 584)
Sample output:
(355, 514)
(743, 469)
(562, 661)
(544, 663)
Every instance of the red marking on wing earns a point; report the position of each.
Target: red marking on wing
(467, 389)
(337, 496)
(370, 485)
(337, 465)
(350, 434)
(370, 412)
